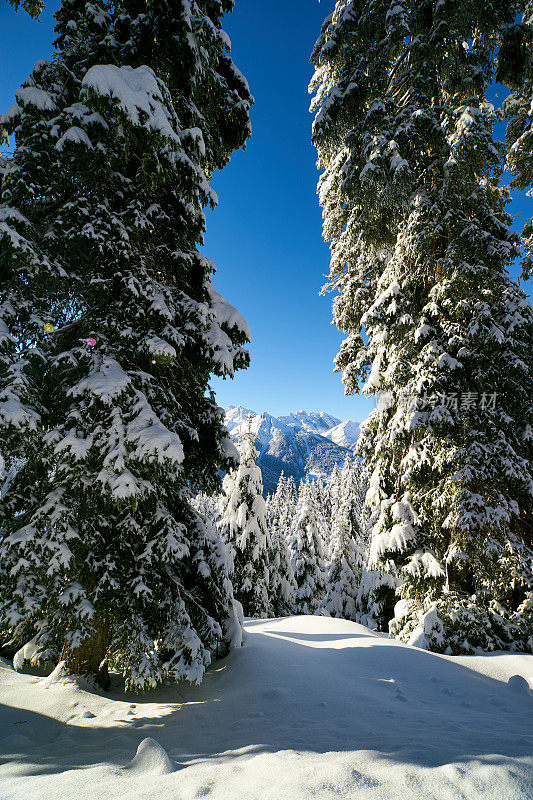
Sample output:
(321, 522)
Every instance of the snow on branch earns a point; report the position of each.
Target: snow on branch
(138, 92)
(228, 316)
(107, 381)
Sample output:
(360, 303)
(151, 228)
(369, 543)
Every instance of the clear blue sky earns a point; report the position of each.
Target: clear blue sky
(265, 236)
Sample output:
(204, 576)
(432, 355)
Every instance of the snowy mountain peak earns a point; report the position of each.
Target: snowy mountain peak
(345, 434)
(236, 415)
(302, 444)
(315, 421)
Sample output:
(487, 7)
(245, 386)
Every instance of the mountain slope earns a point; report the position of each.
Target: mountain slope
(344, 434)
(312, 421)
(301, 444)
(310, 707)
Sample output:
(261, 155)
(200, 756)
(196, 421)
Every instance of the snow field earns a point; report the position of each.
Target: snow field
(310, 707)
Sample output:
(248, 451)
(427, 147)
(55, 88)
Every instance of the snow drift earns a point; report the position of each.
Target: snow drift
(309, 707)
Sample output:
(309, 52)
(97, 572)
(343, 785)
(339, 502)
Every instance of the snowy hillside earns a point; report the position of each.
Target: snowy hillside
(301, 444)
(309, 707)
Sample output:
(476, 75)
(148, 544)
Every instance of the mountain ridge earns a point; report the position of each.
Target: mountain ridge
(302, 444)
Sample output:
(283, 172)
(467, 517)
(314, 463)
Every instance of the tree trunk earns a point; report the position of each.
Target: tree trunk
(88, 658)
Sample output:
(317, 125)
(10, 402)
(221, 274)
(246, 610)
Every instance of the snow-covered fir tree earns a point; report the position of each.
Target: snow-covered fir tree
(208, 505)
(308, 558)
(244, 527)
(420, 248)
(343, 575)
(348, 546)
(282, 584)
(333, 488)
(109, 332)
(322, 499)
(515, 69)
(288, 501)
(284, 506)
(272, 504)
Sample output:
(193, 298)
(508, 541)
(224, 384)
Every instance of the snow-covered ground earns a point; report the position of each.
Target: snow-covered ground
(310, 708)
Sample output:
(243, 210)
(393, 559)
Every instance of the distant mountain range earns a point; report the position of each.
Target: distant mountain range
(303, 444)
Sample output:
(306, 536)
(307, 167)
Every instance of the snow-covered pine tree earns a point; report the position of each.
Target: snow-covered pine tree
(291, 491)
(421, 244)
(272, 505)
(348, 546)
(343, 574)
(515, 69)
(333, 487)
(282, 585)
(244, 527)
(308, 559)
(332, 491)
(273, 501)
(284, 506)
(208, 505)
(353, 494)
(321, 492)
(110, 331)
(288, 501)
(376, 588)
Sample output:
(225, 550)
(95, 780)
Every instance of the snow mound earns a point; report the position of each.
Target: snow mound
(26, 653)
(234, 626)
(518, 684)
(58, 677)
(151, 758)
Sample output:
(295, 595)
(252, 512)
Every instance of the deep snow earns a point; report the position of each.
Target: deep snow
(310, 707)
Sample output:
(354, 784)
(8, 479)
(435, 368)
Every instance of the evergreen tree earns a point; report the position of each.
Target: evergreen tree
(333, 488)
(109, 332)
(343, 575)
(282, 588)
(273, 502)
(332, 494)
(421, 244)
(375, 598)
(515, 69)
(285, 500)
(320, 488)
(288, 504)
(244, 526)
(347, 545)
(208, 506)
(32, 7)
(308, 560)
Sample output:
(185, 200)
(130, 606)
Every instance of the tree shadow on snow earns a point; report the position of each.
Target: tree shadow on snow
(280, 693)
(317, 637)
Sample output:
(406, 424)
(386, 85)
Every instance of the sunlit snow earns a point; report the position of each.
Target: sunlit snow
(310, 707)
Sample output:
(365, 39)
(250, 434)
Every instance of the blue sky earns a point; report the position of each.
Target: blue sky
(265, 236)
